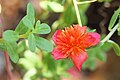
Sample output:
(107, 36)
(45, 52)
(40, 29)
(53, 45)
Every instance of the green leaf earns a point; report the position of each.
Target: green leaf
(30, 11)
(91, 30)
(56, 7)
(113, 19)
(21, 28)
(89, 63)
(119, 31)
(106, 46)
(119, 26)
(116, 47)
(10, 36)
(30, 14)
(101, 56)
(28, 22)
(92, 65)
(11, 49)
(43, 44)
(52, 6)
(31, 42)
(2, 46)
(21, 47)
(42, 28)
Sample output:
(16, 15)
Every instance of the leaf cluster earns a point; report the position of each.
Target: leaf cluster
(29, 30)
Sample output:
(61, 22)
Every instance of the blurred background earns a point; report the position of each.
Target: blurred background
(59, 14)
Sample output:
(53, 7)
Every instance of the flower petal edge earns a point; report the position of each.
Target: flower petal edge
(79, 58)
(57, 54)
(54, 37)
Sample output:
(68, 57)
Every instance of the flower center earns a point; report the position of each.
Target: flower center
(74, 50)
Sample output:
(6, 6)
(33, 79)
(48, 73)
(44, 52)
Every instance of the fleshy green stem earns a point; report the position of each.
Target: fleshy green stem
(25, 35)
(7, 60)
(77, 13)
(84, 2)
(110, 34)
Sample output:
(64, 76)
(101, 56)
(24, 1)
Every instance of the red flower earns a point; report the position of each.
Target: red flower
(72, 42)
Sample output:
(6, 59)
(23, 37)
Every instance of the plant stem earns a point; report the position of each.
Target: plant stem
(110, 34)
(84, 2)
(77, 12)
(25, 35)
(8, 66)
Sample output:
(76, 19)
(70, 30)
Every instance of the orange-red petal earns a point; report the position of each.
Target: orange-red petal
(90, 39)
(55, 36)
(79, 58)
(80, 30)
(58, 54)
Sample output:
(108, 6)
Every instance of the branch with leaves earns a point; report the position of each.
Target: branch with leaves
(26, 29)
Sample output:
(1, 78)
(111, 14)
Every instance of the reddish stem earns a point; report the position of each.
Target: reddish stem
(7, 60)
